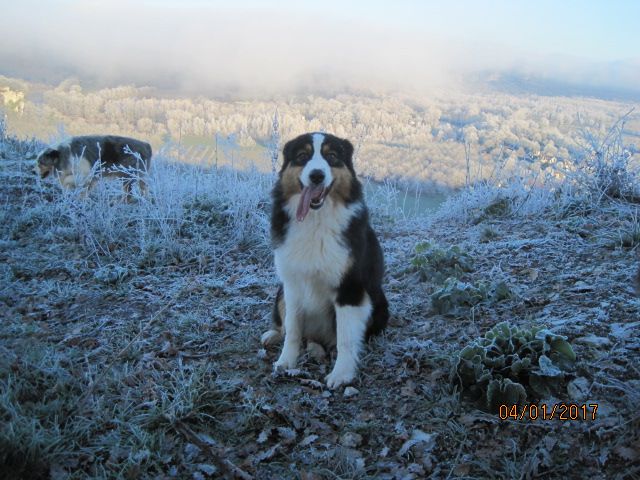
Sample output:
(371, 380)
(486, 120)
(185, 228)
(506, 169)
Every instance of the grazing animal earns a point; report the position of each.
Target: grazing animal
(80, 159)
(326, 255)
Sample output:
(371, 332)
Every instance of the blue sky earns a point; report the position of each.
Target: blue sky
(598, 30)
(279, 44)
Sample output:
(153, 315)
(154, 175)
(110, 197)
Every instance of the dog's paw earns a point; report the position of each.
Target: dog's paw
(270, 337)
(285, 362)
(340, 376)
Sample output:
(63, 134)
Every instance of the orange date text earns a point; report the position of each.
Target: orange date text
(559, 411)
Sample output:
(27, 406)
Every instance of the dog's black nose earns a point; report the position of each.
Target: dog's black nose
(316, 176)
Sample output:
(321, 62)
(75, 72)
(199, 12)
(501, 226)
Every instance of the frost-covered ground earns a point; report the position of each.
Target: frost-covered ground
(129, 339)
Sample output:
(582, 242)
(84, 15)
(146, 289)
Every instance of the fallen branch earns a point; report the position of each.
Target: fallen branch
(215, 453)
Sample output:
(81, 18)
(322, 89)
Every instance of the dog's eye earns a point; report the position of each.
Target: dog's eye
(302, 157)
(332, 157)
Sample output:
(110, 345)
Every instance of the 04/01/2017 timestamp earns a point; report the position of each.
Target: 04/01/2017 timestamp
(560, 411)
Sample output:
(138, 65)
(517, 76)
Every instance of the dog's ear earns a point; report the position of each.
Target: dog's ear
(287, 151)
(347, 149)
(347, 153)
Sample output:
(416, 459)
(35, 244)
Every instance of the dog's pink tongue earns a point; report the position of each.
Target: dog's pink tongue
(308, 193)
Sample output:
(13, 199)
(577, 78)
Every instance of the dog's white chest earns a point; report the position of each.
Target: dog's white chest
(314, 251)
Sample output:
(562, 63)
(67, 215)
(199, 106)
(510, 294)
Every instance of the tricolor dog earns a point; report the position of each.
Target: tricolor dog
(81, 160)
(327, 257)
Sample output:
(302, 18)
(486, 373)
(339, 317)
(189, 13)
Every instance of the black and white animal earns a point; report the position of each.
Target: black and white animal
(79, 161)
(326, 255)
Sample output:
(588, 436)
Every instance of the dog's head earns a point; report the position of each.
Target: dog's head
(48, 162)
(317, 166)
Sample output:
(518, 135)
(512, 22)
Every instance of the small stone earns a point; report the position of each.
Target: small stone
(578, 389)
(350, 440)
(594, 341)
(350, 392)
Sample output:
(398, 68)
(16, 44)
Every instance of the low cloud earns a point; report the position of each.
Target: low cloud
(207, 50)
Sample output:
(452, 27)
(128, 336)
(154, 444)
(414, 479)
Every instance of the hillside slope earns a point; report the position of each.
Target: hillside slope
(129, 340)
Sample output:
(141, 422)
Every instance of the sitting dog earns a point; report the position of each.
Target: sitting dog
(79, 159)
(326, 255)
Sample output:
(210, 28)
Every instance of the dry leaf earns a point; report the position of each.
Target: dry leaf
(418, 437)
(315, 384)
(266, 454)
(308, 440)
(462, 470)
(264, 435)
(627, 453)
(351, 440)
(287, 435)
(408, 389)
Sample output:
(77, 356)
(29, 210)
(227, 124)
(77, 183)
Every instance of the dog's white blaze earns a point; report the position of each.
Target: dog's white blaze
(310, 263)
(351, 324)
(317, 162)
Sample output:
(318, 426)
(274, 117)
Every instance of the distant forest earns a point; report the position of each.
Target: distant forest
(443, 140)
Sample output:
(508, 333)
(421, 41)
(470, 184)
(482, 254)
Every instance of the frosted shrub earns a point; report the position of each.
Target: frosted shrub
(435, 263)
(458, 298)
(167, 225)
(512, 365)
(604, 168)
(607, 168)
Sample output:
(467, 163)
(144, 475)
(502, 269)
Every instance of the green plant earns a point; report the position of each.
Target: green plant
(500, 207)
(207, 212)
(435, 264)
(111, 274)
(488, 234)
(457, 297)
(511, 365)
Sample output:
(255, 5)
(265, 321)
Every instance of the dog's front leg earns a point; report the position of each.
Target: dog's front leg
(292, 330)
(351, 325)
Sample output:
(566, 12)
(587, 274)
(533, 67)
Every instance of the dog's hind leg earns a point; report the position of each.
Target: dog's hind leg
(275, 334)
(380, 313)
(126, 186)
(271, 337)
(142, 185)
(316, 351)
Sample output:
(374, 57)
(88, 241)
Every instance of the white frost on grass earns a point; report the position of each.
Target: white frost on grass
(189, 211)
